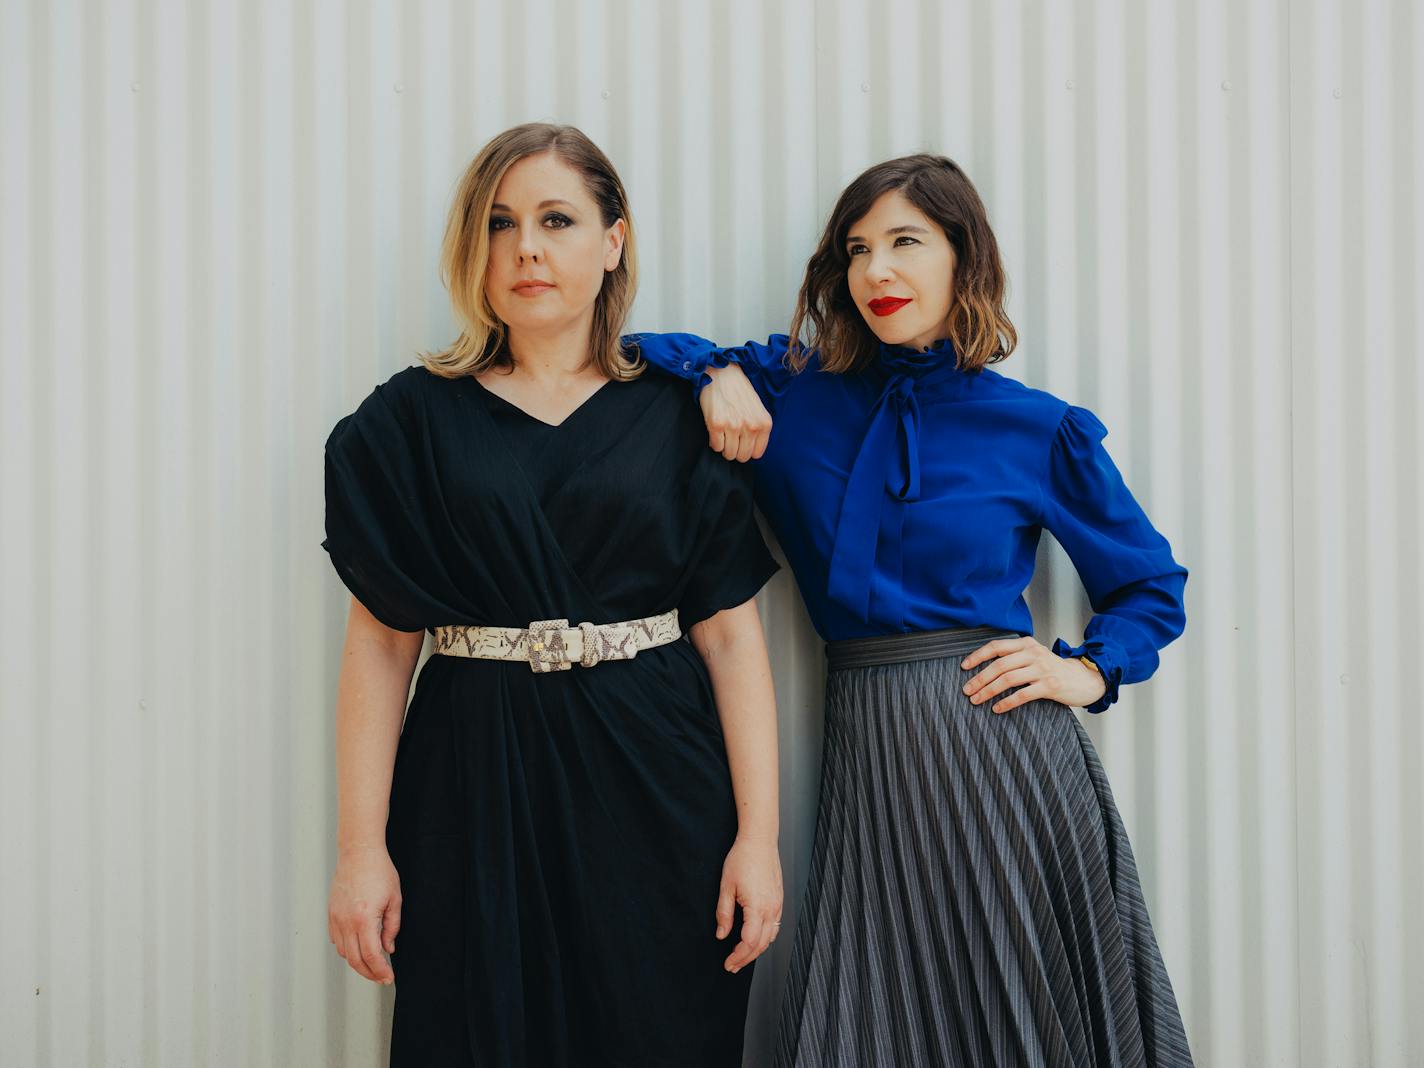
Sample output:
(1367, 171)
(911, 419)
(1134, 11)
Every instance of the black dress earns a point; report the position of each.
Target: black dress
(559, 837)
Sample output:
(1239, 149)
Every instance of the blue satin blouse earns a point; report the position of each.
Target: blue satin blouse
(912, 497)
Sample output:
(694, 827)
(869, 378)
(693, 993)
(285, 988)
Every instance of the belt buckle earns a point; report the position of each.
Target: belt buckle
(548, 650)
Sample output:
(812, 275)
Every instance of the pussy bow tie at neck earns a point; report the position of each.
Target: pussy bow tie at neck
(887, 465)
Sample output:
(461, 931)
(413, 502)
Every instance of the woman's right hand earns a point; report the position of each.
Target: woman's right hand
(738, 424)
(363, 911)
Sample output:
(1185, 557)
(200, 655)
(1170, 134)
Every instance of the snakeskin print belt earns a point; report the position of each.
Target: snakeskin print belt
(553, 645)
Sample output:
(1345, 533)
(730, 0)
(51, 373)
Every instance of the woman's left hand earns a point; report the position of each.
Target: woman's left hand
(1040, 672)
(751, 878)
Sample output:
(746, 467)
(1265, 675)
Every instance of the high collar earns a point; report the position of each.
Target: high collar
(931, 372)
(902, 359)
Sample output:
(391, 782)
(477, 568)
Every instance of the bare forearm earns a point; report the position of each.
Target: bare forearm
(735, 654)
(376, 668)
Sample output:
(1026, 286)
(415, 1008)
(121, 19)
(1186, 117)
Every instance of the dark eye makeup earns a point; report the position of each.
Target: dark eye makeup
(857, 249)
(555, 220)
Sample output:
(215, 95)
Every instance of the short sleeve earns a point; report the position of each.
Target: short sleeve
(1133, 583)
(730, 561)
(379, 533)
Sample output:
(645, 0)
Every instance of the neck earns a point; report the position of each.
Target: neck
(552, 354)
(927, 340)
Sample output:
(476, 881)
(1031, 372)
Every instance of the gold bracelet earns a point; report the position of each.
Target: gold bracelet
(1089, 661)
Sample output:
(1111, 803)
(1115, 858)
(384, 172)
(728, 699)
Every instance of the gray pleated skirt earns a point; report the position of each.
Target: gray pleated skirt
(972, 898)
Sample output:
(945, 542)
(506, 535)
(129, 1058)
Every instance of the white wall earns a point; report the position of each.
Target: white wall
(219, 226)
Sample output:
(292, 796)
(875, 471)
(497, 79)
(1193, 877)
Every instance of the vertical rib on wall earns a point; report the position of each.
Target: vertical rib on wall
(220, 225)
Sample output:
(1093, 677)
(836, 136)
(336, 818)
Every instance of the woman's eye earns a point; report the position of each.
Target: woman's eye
(906, 238)
(855, 250)
(498, 222)
(557, 221)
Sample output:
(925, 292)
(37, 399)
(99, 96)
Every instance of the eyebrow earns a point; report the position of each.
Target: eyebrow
(892, 231)
(542, 205)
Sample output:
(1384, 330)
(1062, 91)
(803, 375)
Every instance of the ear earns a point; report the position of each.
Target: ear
(613, 245)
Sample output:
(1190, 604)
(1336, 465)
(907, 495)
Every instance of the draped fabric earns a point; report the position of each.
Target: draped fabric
(559, 837)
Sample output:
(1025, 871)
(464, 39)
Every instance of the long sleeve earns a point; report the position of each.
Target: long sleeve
(1126, 566)
(689, 356)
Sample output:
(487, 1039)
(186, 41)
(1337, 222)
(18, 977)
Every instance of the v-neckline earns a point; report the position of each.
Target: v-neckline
(531, 494)
(534, 418)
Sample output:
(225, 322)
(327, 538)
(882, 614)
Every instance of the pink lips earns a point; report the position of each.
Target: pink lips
(532, 288)
(888, 305)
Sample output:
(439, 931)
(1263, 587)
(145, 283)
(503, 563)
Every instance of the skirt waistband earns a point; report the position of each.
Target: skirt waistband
(903, 648)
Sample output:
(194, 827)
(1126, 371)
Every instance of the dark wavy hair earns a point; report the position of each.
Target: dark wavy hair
(979, 328)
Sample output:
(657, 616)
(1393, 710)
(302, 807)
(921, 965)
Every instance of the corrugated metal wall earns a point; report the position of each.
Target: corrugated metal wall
(219, 225)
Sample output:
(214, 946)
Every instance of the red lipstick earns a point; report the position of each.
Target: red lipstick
(888, 305)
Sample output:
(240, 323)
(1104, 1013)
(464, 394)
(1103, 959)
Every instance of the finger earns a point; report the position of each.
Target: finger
(997, 647)
(738, 958)
(725, 902)
(1006, 681)
(354, 955)
(376, 964)
(745, 444)
(351, 951)
(390, 925)
(729, 450)
(997, 667)
(755, 946)
(768, 932)
(344, 936)
(744, 954)
(751, 938)
(1035, 692)
(762, 438)
(716, 438)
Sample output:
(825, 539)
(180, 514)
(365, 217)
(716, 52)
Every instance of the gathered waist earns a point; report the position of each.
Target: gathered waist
(903, 648)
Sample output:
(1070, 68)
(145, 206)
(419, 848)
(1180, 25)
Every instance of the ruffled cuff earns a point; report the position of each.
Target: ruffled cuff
(697, 367)
(1111, 659)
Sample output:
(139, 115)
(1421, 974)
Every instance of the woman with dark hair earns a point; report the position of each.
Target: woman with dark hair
(553, 847)
(972, 898)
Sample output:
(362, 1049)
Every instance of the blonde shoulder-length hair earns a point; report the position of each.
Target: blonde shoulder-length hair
(464, 256)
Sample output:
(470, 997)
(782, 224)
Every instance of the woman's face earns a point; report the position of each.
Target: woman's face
(901, 272)
(548, 248)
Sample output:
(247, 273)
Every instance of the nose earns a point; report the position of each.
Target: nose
(529, 250)
(878, 269)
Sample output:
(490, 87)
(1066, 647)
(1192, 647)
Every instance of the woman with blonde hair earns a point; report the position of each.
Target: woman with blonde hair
(972, 898)
(554, 847)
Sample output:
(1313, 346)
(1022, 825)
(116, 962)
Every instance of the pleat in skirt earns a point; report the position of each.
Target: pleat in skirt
(972, 898)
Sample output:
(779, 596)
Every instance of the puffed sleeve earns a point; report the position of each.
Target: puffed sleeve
(729, 560)
(1133, 583)
(689, 356)
(379, 529)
